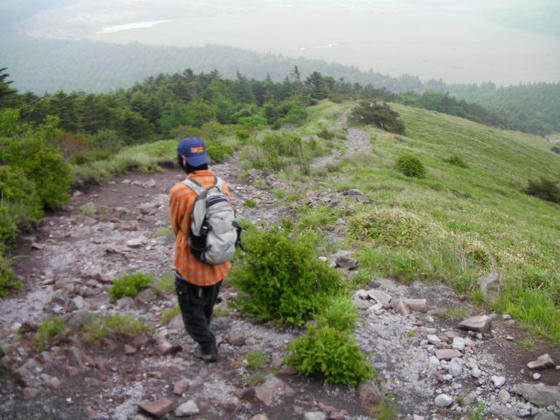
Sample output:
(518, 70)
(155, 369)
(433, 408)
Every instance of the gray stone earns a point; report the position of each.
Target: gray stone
(545, 415)
(458, 343)
(235, 339)
(126, 302)
(433, 339)
(315, 415)
(490, 286)
(380, 297)
(480, 323)
(369, 394)
(259, 417)
(503, 396)
(157, 408)
(78, 302)
(269, 390)
(443, 400)
(455, 368)
(187, 409)
(544, 361)
(29, 393)
(346, 263)
(447, 354)
(180, 386)
(417, 305)
(498, 381)
(539, 394)
(136, 242)
(401, 307)
(469, 399)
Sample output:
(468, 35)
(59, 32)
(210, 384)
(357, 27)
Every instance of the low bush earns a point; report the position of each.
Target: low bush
(331, 354)
(250, 203)
(326, 134)
(457, 161)
(99, 327)
(338, 312)
(380, 115)
(47, 331)
(280, 278)
(411, 166)
(545, 189)
(391, 227)
(129, 285)
(7, 283)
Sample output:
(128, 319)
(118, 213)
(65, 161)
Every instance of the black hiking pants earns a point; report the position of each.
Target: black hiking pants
(197, 305)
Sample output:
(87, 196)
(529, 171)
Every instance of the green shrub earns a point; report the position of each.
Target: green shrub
(338, 312)
(42, 164)
(98, 327)
(411, 166)
(242, 135)
(166, 283)
(275, 152)
(280, 278)
(330, 353)
(545, 189)
(326, 134)
(47, 331)
(20, 206)
(457, 161)
(219, 151)
(256, 359)
(129, 285)
(6, 278)
(391, 227)
(250, 203)
(380, 115)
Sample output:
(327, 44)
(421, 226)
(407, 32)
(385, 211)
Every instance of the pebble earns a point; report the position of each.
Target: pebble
(503, 396)
(537, 376)
(476, 372)
(458, 343)
(443, 400)
(498, 381)
(187, 409)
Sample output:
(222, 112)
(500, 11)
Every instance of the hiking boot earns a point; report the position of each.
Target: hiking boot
(207, 357)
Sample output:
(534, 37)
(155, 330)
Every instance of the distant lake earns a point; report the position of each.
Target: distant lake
(435, 45)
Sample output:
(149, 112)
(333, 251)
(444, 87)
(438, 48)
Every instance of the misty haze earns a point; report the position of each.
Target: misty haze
(507, 42)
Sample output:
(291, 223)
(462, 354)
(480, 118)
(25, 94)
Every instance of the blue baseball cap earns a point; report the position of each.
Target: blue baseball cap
(194, 150)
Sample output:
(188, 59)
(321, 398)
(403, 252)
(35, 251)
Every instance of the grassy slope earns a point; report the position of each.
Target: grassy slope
(455, 225)
(459, 223)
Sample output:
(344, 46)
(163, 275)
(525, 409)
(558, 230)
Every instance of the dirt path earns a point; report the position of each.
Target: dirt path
(70, 262)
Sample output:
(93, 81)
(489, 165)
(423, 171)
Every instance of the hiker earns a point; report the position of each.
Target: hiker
(197, 283)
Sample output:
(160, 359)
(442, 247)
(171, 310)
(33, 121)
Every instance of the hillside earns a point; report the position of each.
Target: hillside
(423, 238)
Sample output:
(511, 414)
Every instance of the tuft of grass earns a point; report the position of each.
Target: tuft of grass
(88, 209)
(256, 360)
(129, 285)
(168, 314)
(384, 411)
(250, 203)
(412, 333)
(166, 284)
(97, 327)
(47, 331)
(454, 312)
(162, 231)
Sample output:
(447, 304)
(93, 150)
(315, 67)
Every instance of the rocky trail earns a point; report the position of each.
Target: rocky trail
(433, 358)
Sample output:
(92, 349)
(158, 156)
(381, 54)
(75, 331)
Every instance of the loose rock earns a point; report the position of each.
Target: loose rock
(444, 400)
(187, 409)
(539, 394)
(157, 408)
(544, 361)
(480, 323)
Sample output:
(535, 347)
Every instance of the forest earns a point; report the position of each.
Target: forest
(49, 66)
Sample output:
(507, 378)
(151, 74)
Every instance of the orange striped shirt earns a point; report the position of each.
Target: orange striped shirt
(181, 205)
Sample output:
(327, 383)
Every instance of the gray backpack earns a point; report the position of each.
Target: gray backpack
(213, 232)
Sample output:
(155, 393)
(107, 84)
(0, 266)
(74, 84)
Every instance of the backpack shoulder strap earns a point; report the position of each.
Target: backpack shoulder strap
(193, 185)
(219, 182)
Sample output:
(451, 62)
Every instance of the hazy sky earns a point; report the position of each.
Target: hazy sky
(506, 41)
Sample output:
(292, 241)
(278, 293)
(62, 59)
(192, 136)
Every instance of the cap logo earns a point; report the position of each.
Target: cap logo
(197, 149)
